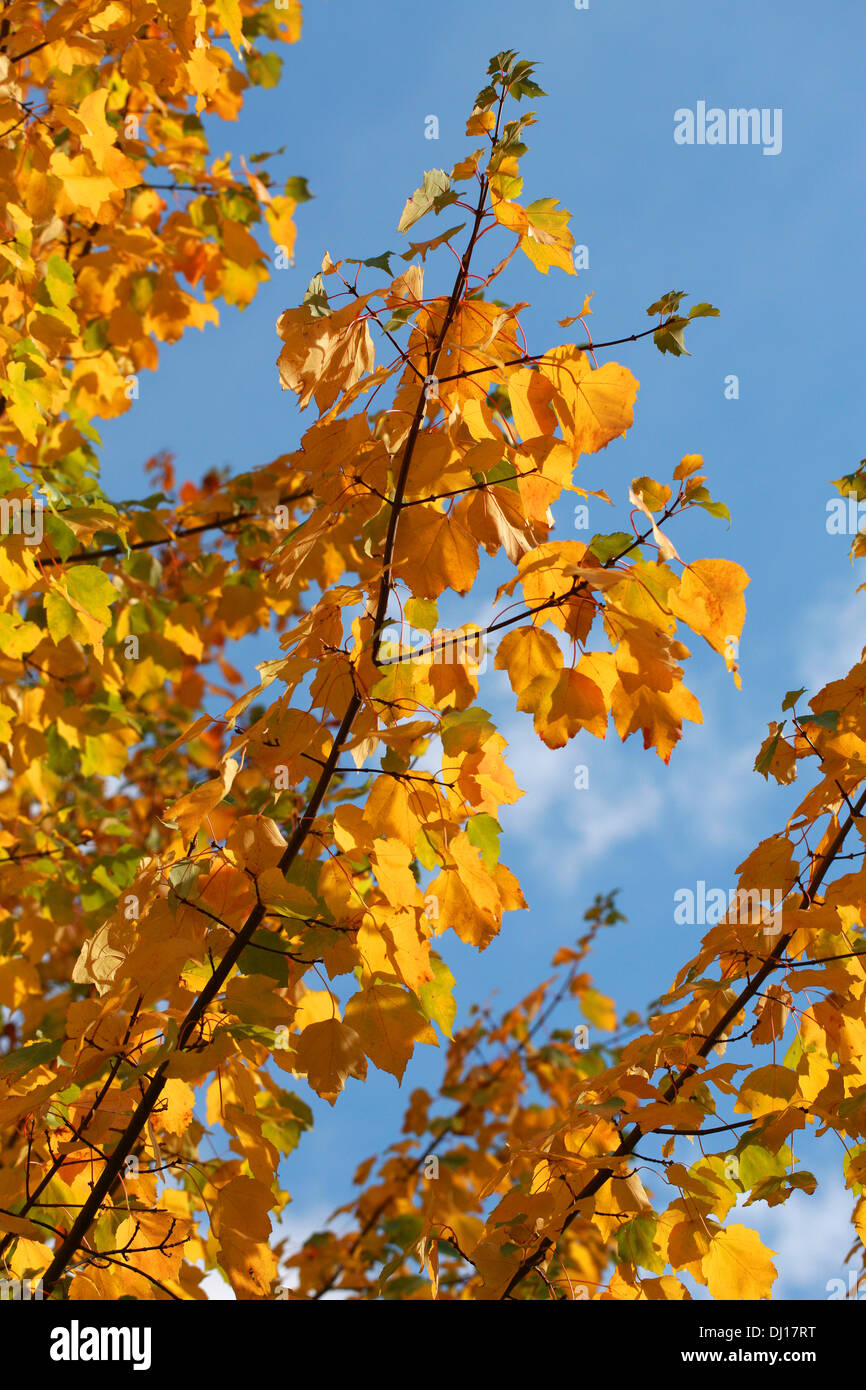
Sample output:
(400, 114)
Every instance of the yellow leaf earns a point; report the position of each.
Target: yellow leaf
(688, 465)
(257, 843)
(434, 552)
(528, 652)
(562, 704)
(89, 123)
(325, 356)
(765, 1090)
(178, 1100)
(710, 599)
(190, 811)
(388, 1024)
(466, 896)
(102, 955)
(738, 1266)
(242, 1226)
(594, 406)
(770, 866)
(327, 1053)
(391, 860)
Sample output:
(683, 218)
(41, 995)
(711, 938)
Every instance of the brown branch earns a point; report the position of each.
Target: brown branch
(633, 1138)
(58, 1163)
(494, 1070)
(408, 657)
(180, 534)
(72, 1242)
(526, 357)
(19, 57)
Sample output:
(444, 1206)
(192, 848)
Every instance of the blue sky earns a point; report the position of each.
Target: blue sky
(775, 241)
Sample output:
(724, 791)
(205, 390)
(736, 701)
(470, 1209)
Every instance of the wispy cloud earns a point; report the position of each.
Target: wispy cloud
(566, 830)
(811, 1237)
(831, 635)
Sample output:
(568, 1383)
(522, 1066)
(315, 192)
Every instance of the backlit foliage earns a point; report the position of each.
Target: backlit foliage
(206, 920)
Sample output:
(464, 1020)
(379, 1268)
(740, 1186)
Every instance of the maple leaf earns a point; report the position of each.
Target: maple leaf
(327, 1053)
(174, 880)
(738, 1266)
(324, 356)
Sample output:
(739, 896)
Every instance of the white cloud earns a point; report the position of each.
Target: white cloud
(831, 634)
(566, 830)
(810, 1236)
(712, 784)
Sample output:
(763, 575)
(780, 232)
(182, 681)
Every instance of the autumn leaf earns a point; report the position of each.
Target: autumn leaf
(327, 1053)
(737, 1265)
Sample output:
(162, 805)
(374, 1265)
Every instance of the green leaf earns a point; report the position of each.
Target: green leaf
(400, 317)
(101, 876)
(60, 616)
(794, 1053)
(525, 88)
(462, 730)
(266, 154)
(763, 761)
(755, 1163)
(317, 297)
(792, 697)
(264, 69)
(608, 547)
(668, 304)
(483, 832)
(404, 1286)
(404, 1230)
(433, 195)
(17, 637)
(272, 961)
(425, 852)
(17, 1064)
(252, 1032)
(297, 188)
(94, 590)
(380, 262)
(485, 98)
(670, 338)
(59, 282)
(184, 878)
(95, 336)
(421, 613)
(437, 997)
(501, 473)
(703, 311)
(829, 719)
(856, 1151)
(714, 508)
(634, 1242)
(283, 1131)
(420, 248)
(64, 539)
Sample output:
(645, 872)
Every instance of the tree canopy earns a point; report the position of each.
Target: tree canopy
(210, 924)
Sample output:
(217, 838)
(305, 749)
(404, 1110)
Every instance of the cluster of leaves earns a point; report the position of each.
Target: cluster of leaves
(197, 908)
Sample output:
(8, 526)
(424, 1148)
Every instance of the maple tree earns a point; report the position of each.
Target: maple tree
(202, 915)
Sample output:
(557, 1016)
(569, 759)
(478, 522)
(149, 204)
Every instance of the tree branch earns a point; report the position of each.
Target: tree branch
(636, 1134)
(144, 1109)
